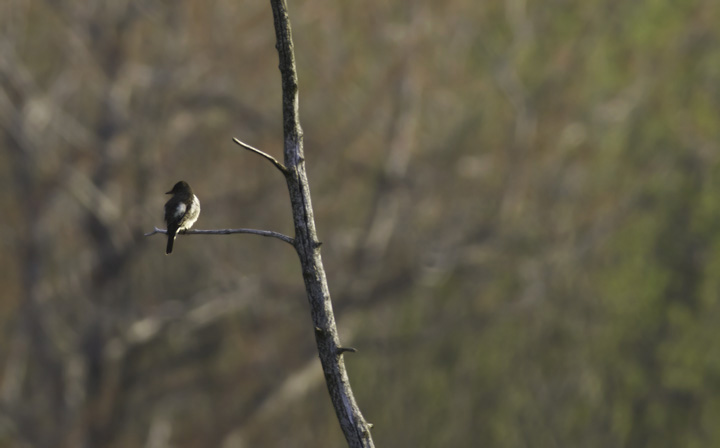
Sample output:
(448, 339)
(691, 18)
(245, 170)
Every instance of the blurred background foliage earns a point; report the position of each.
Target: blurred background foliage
(518, 203)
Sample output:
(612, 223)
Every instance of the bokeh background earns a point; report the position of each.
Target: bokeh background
(519, 203)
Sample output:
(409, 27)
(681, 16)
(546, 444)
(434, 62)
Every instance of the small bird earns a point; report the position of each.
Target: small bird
(181, 211)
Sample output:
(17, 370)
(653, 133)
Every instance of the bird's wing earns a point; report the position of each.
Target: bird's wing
(176, 212)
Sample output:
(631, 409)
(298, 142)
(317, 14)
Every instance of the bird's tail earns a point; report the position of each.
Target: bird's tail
(171, 240)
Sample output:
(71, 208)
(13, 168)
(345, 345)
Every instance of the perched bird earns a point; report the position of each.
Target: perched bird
(181, 211)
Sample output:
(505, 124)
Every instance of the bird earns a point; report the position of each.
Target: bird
(181, 211)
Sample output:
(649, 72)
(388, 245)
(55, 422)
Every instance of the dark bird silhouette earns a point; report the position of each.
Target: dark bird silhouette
(181, 211)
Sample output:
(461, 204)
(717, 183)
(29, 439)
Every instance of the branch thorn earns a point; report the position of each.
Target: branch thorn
(340, 350)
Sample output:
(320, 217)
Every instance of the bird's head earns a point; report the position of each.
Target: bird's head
(181, 187)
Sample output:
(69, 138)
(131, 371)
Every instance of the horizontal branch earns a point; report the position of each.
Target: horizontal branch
(283, 169)
(268, 233)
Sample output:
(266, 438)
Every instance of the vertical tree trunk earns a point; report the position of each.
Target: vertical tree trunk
(354, 426)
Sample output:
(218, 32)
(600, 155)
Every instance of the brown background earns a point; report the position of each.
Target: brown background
(518, 203)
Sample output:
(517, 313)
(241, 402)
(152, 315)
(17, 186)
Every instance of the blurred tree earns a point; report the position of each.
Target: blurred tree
(517, 203)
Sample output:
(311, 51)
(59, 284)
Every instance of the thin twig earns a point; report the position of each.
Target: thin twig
(272, 159)
(268, 233)
(341, 350)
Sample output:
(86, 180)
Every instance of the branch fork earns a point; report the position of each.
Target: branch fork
(355, 428)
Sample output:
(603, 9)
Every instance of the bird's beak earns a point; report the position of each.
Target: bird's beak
(169, 192)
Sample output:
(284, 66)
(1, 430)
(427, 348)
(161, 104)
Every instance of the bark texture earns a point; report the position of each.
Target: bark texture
(354, 426)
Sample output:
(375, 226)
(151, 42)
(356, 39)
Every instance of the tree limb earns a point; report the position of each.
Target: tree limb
(352, 423)
(272, 159)
(268, 233)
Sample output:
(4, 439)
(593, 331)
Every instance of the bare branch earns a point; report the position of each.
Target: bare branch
(307, 245)
(272, 159)
(268, 233)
